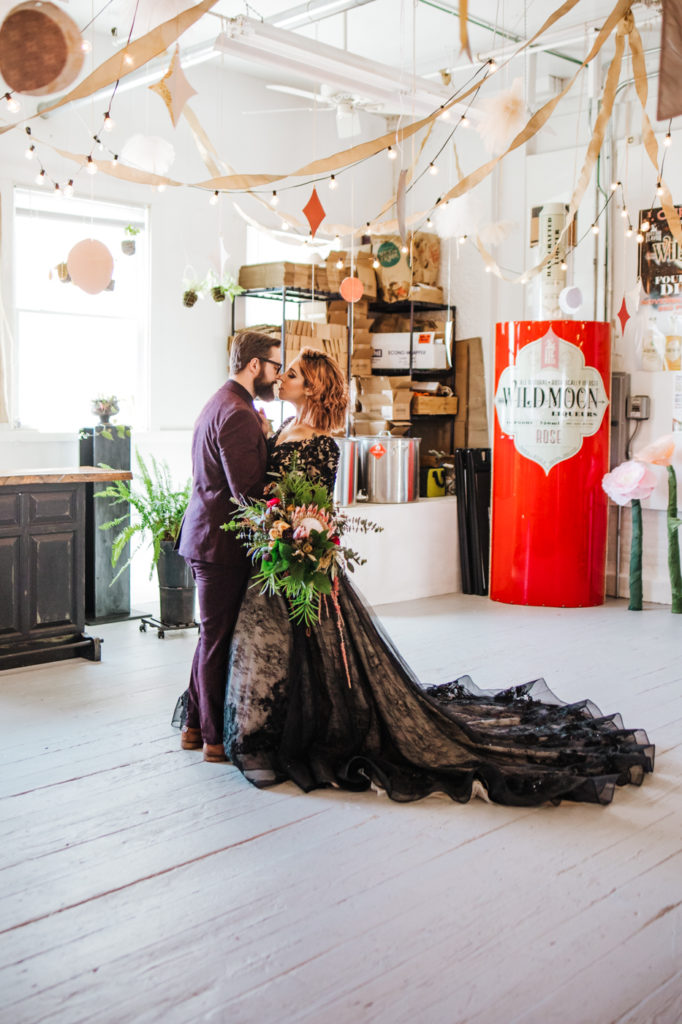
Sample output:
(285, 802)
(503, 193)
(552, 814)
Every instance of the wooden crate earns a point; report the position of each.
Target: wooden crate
(434, 405)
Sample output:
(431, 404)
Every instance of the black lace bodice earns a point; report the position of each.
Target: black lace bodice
(317, 457)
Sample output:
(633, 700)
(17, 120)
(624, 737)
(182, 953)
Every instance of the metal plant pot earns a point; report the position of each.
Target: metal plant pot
(177, 589)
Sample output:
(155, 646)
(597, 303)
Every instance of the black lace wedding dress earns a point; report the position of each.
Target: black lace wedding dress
(290, 712)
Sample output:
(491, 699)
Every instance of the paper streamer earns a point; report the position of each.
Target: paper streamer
(138, 53)
(464, 28)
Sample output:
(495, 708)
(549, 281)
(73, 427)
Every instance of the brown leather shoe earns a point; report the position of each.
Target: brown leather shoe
(214, 752)
(190, 739)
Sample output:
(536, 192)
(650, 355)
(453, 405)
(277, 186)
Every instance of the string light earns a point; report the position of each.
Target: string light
(91, 166)
(404, 249)
(41, 176)
(645, 225)
(624, 212)
(464, 121)
(391, 153)
(640, 237)
(57, 190)
(339, 264)
(628, 233)
(462, 239)
(68, 189)
(30, 152)
(86, 46)
(564, 265)
(444, 115)
(433, 169)
(595, 229)
(213, 200)
(615, 185)
(114, 162)
(127, 59)
(274, 199)
(429, 222)
(161, 187)
(659, 188)
(488, 268)
(332, 183)
(375, 263)
(284, 225)
(492, 65)
(337, 241)
(13, 104)
(109, 123)
(668, 140)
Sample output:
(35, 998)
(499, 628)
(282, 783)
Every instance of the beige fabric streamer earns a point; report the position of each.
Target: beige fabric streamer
(650, 143)
(464, 28)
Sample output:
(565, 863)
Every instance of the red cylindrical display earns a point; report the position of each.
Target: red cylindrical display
(551, 450)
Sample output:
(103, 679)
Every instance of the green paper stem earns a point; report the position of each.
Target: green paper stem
(636, 558)
(674, 545)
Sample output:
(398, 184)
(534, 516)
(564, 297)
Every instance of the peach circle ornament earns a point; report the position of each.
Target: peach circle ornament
(40, 48)
(352, 289)
(90, 265)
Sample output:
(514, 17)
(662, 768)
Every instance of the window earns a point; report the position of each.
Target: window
(71, 346)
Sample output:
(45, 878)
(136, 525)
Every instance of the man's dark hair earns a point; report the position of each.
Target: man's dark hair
(250, 345)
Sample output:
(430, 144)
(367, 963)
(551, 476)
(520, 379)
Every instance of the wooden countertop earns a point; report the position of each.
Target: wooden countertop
(70, 475)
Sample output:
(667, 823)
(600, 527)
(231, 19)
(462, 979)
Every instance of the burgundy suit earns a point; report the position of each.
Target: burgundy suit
(229, 455)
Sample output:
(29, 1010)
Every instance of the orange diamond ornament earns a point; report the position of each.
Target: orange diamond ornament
(314, 212)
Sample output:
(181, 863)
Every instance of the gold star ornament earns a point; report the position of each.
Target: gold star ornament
(174, 89)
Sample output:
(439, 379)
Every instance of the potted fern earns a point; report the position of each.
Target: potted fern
(128, 243)
(158, 509)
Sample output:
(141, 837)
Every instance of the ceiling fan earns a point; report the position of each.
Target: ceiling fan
(346, 106)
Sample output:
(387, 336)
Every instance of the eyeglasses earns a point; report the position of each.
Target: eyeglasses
(272, 361)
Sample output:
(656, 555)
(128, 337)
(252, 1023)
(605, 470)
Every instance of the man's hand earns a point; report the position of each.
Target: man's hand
(265, 423)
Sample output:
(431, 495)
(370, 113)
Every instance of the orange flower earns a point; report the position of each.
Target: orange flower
(660, 452)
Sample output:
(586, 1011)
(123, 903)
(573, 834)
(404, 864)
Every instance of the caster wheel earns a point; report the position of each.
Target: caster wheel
(143, 627)
(161, 634)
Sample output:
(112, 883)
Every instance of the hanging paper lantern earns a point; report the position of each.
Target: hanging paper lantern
(351, 289)
(40, 49)
(90, 266)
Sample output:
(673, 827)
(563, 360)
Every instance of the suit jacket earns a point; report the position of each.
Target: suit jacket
(229, 456)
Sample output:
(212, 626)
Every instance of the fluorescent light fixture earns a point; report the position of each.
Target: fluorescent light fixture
(313, 10)
(253, 40)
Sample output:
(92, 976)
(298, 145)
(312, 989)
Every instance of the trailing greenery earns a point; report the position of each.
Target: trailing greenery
(158, 510)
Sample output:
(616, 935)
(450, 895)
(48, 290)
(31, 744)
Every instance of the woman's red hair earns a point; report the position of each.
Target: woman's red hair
(327, 400)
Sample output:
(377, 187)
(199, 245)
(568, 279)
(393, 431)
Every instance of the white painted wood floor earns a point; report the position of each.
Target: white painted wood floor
(140, 884)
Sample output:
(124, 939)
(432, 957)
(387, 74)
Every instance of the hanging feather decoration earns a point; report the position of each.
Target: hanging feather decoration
(501, 117)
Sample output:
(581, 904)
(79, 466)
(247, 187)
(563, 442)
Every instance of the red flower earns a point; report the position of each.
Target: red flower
(273, 502)
(335, 540)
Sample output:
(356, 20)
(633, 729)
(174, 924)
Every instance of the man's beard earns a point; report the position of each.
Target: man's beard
(264, 390)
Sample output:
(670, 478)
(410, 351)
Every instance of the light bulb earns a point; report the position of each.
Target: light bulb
(614, 185)
(13, 105)
(274, 199)
(375, 263)
(161, 187)
(640, 237)
(464, 121)
(284, 225)
(429, 222)
(444, 115)
(86, 46)
(109, 123)
(213, 199)
(624, 212)
(40, 177)
(488, 268)
(462, 239)
(30, 152)
(91, 166)
(339, 264)
(644, 226)
(333, 182)
(564, 265)
(492, 64)
(659, 189)
(391, 153)
(432, 168)
(628, 233)
(114, 162)
(667, 141)
(404, 249)
(68, 188)
(595, 229)
(57, 190)
(337, 241)
(127, 59)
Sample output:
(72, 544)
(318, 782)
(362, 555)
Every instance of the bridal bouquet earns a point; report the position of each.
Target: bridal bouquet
(294, 537)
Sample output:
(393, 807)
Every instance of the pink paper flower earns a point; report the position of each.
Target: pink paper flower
(630, 480)
(273, 502)
(659, 452)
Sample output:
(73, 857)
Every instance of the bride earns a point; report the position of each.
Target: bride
(290, 713)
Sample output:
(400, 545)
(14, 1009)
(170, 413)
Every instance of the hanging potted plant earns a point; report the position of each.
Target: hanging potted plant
(194, 287)
(222, 288)
(128, 243)
(157, 517)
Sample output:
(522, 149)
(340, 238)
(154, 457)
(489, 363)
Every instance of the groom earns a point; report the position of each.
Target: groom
(228, 460)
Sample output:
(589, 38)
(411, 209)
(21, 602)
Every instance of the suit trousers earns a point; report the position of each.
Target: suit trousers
(220, 590)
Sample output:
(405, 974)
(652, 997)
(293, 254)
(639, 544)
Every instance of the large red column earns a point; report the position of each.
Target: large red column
(551, 450)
